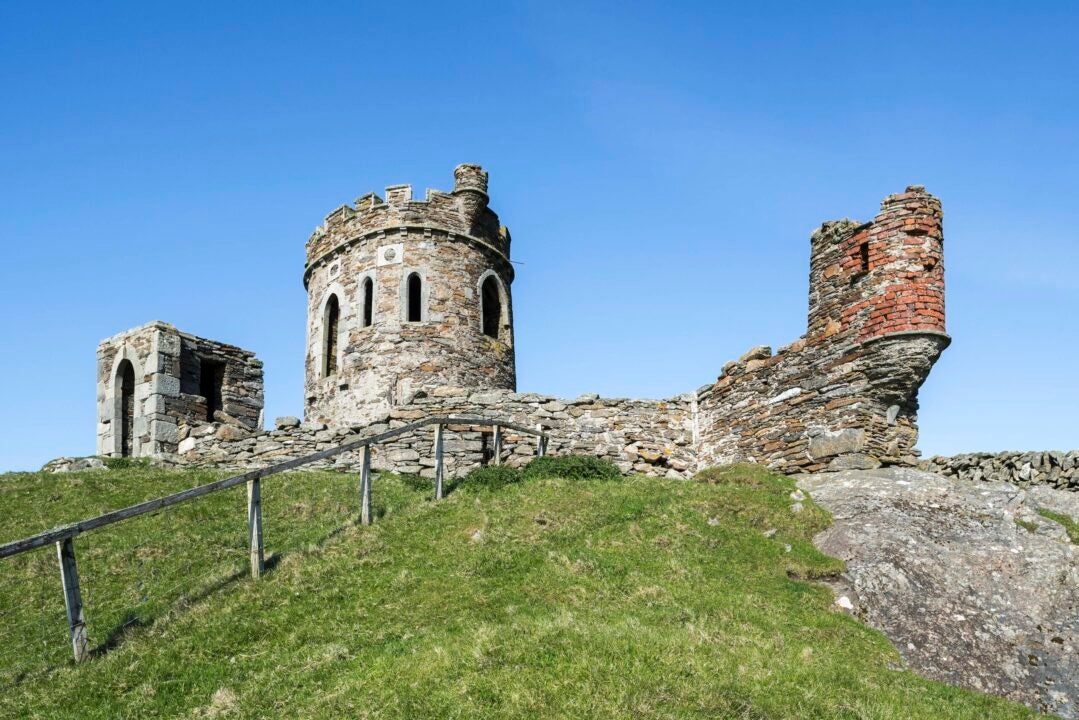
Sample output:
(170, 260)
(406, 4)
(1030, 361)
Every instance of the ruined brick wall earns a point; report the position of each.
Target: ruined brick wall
(845, 394)
(380, 358)
(651, 437)
(181, 382)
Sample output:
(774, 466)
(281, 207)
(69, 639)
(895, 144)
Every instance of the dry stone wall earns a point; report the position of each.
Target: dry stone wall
(652, 437)
(1052, 468)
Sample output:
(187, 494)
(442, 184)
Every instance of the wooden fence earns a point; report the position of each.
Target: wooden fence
(64, 537)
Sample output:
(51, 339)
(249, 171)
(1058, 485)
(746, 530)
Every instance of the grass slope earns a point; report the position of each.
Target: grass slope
(548, 598)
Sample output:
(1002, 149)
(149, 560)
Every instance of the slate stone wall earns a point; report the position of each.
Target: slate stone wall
(845, 395)
(1053, 468)
(453, 242)
(652, 437)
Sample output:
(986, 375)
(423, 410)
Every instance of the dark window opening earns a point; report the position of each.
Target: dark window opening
(368, 302)
(127, 408)
(863, 256)
(492, 307)
(415, 298)
(333, 321)
(211, 380)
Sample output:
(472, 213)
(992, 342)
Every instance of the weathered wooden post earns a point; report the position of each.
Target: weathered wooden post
(498, 444)
(76, 620)
(365, 487)
(254, 527)
(541, 441)
(439, 470)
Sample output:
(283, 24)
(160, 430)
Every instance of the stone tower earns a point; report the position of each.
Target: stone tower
(846, 393)
(405, 296)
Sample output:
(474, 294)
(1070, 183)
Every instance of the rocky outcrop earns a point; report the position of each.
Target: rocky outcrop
(1052, 467)
(970, 582)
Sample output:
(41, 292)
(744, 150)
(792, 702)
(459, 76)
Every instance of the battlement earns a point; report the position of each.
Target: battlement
(463, 211)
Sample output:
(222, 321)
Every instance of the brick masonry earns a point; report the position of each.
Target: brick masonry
(380, 352)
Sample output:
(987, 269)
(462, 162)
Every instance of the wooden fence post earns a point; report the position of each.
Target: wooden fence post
(76, 620)
(365, 487)
(541, 442)
(439, 469)
(254, 527)
(498, 445)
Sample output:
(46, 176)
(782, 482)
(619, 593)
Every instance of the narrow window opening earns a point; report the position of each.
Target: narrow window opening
(492, 307)
(863, 256)
(415, 298)
(330, 328)
(127, 408)
(368, 302)
(211, 381)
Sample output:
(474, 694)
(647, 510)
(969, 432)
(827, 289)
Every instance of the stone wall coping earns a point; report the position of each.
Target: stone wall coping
(908, 333)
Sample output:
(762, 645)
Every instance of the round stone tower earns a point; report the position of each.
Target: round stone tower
(405, 296)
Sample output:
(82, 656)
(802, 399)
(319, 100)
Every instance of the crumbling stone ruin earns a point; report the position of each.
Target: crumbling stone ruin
(155, 385)
(410, 314)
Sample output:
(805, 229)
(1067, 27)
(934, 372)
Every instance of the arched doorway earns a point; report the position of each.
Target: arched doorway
(125, 380)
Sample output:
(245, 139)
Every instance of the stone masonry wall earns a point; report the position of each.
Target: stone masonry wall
(1052, 468)
(168, 367)
(845, 394)
(652, 437)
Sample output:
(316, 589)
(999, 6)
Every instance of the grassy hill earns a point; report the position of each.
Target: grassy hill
(548, 598)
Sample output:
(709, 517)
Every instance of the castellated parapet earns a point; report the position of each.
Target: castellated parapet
(405, 296)
(157, 385)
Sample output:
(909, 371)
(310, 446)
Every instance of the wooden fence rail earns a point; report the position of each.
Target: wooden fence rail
(64, 536)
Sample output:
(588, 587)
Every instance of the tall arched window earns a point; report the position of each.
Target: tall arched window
(125, 381)
(368, 302)
(491, 302)
(415, 298)
(330, 327)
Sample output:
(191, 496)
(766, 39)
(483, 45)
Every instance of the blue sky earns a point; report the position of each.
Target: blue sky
(660, 165)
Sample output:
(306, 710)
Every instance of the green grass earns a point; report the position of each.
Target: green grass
(544, 598)
(1070, 525)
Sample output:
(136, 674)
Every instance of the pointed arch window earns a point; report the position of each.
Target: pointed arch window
(368, 302)
(491, 306)
(415, 298)
(331, 325)
(125, 380)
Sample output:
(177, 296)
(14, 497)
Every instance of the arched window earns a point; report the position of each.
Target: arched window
(125, 380)
(368, 302)
(415, 298)
(330, 327)
(491, 304)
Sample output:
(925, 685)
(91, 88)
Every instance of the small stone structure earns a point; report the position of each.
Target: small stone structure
(410, 314)
(156, 384)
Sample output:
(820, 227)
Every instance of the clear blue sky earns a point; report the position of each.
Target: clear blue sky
(660, 165)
